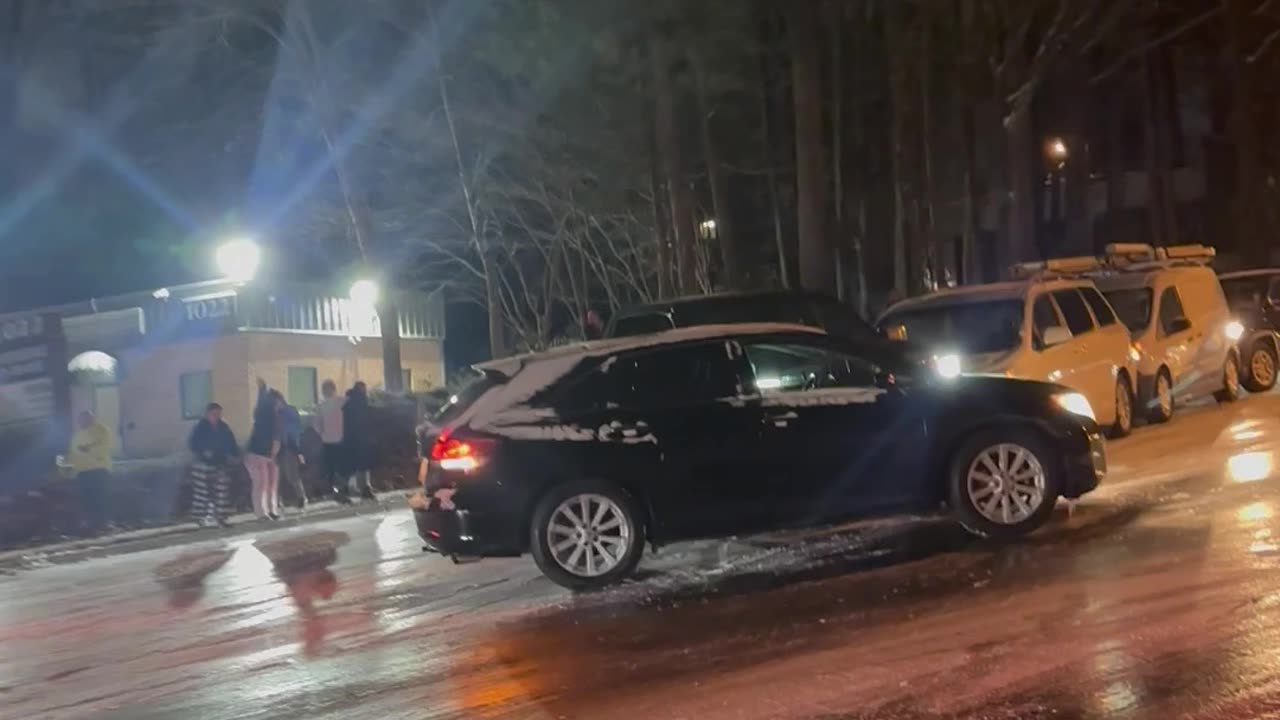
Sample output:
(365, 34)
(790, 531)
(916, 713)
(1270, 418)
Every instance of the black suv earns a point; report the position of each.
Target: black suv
(1254, 298)
(583, 454)
(779, 306)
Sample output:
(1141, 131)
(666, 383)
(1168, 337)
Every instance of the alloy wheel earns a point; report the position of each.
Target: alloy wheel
(1124, 407)
(1006, 483)
(588, 535)
(1262, 367)
(1164, 395)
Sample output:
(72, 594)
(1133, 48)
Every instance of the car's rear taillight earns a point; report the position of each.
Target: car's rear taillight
(460, 454)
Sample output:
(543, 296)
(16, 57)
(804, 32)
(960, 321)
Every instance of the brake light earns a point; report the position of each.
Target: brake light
(458, 454)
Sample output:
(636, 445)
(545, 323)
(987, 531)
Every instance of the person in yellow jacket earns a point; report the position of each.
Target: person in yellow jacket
(90, 458)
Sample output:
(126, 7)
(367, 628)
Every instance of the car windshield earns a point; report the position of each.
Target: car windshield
(971, 327)
(1132, 306)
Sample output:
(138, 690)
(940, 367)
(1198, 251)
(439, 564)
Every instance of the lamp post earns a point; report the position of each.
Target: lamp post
(238, 259)
(367, 293)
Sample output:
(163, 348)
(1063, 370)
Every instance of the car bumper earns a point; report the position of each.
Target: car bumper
(1085, 470)
(459, 532)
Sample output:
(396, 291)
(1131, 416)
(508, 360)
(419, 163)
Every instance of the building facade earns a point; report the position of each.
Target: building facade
(148, 363)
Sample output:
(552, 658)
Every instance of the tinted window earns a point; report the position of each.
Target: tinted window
(1133, 306)
(1074, 311)
(745, 310)
(1101, 310)
(973, 327)
(840, 319)
(783, 367)
(1245, 293)
(1043, 317)
(640, 325)
(471, 391)
(1170, 311)
(664, 377)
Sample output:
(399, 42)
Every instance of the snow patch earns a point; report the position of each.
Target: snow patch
(829, 396)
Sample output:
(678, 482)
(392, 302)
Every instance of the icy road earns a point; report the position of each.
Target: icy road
(1157, 597)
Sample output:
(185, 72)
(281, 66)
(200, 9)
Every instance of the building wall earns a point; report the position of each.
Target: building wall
(150, 397)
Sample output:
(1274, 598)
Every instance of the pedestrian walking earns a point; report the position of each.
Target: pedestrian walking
(213, 449)
(357, 440)
(290, 459)
(264, 446)
(90, 458)
(329, 425)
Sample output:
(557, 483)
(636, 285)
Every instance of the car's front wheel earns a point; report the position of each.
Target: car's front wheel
(1230, 391)
(586, 535)
(1160, 406)
(1123, 424)
(1004, 482)
(1262, 368)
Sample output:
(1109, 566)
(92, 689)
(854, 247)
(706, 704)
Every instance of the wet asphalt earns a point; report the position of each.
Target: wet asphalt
(1156, 597)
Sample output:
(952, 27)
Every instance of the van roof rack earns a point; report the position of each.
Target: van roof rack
(1117, 257)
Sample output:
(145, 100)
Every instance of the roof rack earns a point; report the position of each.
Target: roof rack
(1117, 257)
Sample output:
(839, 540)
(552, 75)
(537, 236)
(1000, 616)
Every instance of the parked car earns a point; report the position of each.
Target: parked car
(1254, 298)
(583, 454)
(782, 306)
(1048, 327)
(1174, 307)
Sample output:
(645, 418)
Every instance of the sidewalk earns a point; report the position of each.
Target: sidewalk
(76, 549)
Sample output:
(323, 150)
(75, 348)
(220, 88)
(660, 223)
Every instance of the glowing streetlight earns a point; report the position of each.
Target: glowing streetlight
(238, 259)
(364, 293)
(1057, 149)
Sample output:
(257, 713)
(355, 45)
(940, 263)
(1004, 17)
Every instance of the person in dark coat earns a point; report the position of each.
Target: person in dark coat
(265, 441)
(357, 439)
(290, 460)
(214, 448)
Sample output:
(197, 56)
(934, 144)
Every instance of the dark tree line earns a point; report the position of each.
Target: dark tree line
(542, 158)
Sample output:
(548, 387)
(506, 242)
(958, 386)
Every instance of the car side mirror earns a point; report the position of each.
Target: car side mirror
(1056, 335)
(1179, 324)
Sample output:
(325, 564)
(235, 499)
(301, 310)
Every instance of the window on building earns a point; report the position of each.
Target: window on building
(195, 392)
(406, 379)
(301, 389)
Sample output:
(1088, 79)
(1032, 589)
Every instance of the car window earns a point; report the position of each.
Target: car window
(983, 326)
(1133, 305)
(1170, 310)
(1273, 291)
(646, 324)
(1101, 310)
(665, 377)
(1244, 293)
(1043, 316)
(790, 367)
(1074, 311)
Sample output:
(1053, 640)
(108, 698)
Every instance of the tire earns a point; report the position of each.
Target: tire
(971, 502)
(1123, 424)
(1262, 364)
(615, 515)
(1161, 409)
(1230, 391)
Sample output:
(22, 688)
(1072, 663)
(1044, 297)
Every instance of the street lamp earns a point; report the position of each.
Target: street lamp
(1057, 149)
(364, 293)
(238, 259)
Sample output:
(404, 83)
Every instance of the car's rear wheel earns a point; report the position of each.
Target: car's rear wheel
(1160, 406)
(1262, 368)
(1230, 391)
(1124, 408)
(1004, 482)
(587, 535)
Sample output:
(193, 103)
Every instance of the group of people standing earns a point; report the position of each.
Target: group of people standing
(274, 451)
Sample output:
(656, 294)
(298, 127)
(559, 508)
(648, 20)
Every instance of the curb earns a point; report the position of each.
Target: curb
(42, 554)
